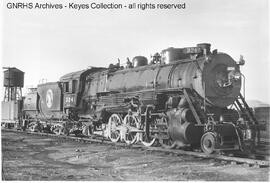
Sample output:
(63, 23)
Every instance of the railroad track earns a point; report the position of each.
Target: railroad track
(257, 163)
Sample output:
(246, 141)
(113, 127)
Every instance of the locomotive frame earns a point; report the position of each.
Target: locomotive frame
(192, 101)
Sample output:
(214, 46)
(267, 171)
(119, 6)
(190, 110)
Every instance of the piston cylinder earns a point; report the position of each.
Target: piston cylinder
(183, 132)
(186, 115)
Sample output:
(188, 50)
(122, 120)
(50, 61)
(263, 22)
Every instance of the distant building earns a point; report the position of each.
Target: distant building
(262, 114)
(261, 110)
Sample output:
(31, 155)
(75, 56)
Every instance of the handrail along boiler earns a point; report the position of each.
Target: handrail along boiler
(186, 97)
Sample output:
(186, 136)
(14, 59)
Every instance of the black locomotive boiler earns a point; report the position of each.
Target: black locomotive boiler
(185, 97)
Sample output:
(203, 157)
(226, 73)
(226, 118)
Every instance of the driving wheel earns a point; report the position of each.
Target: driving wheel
(130, 130)
(114, 125)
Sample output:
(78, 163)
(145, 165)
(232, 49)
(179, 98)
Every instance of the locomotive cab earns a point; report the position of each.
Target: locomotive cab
(70, 85)
(73, 85)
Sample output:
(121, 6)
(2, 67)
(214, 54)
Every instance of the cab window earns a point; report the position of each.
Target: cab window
(66, 87)
(74, 86)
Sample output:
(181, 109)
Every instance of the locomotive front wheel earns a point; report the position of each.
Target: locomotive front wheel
(114, 125)
(131, 123)
(208, 142)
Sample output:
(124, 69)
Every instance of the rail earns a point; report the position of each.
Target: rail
(230, 159)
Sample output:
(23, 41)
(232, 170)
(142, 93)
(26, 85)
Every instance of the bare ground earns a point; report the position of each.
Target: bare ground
(27, 157)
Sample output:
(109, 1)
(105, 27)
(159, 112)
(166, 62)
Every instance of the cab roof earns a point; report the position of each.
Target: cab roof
(78, 74)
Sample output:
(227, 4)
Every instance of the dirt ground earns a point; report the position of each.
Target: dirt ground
(27, 157)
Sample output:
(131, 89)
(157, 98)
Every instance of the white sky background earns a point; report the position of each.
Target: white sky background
(51, 43)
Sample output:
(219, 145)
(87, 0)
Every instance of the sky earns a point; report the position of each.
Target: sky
(47, 44)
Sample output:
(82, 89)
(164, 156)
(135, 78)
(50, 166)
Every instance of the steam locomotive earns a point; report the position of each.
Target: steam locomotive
(185, 97)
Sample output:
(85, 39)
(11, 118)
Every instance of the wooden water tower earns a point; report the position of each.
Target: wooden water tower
(13, 83)
(12, 103)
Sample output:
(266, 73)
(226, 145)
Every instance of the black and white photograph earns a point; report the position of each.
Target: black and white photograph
(135, 90)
